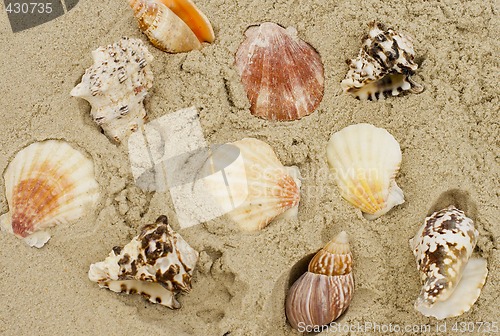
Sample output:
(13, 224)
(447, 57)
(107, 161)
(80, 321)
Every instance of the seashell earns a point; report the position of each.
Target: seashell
(267, 188)
(173, 25)
(282, 75)
(451, 281)
(158, 264)
(365, 161)
(47, 183)
(325, 291)
(384, 65)
(116, 85)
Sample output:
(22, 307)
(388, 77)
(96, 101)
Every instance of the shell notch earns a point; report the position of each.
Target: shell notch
(325, 291)
(46, 184)
(173, 25)
(365, 160)
(282, 75)
(452, 281)
(158, 264)
(116, 85)
(384, 65)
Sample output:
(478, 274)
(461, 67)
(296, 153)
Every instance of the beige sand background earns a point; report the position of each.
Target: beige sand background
(449, 137)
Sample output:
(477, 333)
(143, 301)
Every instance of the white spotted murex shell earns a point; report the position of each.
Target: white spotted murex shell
(116, 85)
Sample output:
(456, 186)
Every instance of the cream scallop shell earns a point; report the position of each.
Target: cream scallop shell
(452, 280)
(47, 183)
(364, 160)
(264, 188)
(172, 25)
(325, 291)
(158, 263)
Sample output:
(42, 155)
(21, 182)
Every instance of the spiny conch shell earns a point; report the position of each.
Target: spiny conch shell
(451, 281)
(173, 25)
(266, 188)
(116, 86)
(282, 75)
(325, 291)
(364, 160)
(383, 67)
(158, 264)
(47, 183)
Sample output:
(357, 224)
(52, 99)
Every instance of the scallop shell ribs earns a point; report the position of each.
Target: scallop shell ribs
(365, 160)
(282, 75)
(158, 264)
(266, 187)
(116, 86)
(452, 281)
(47, 183)
(383, 67)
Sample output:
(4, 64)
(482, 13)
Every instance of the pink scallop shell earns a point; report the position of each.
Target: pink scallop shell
(282, 75)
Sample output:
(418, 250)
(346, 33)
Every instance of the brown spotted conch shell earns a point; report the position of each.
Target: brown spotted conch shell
(384, 66)
(452, 280)
(158, 263)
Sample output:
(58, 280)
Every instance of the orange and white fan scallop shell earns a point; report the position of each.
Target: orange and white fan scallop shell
(266, 188)
(47, 183)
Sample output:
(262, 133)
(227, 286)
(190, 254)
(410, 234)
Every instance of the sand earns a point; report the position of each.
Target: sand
(448, 135)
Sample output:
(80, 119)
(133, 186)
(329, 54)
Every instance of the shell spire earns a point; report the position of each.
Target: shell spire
(116, 86)
(158, 263)
(47, 183)
(451, 280)
(325, 291)
(384, 65)
(282, 75)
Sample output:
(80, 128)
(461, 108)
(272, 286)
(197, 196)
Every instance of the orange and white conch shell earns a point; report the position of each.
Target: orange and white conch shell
(47, 183)
(173, 25)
